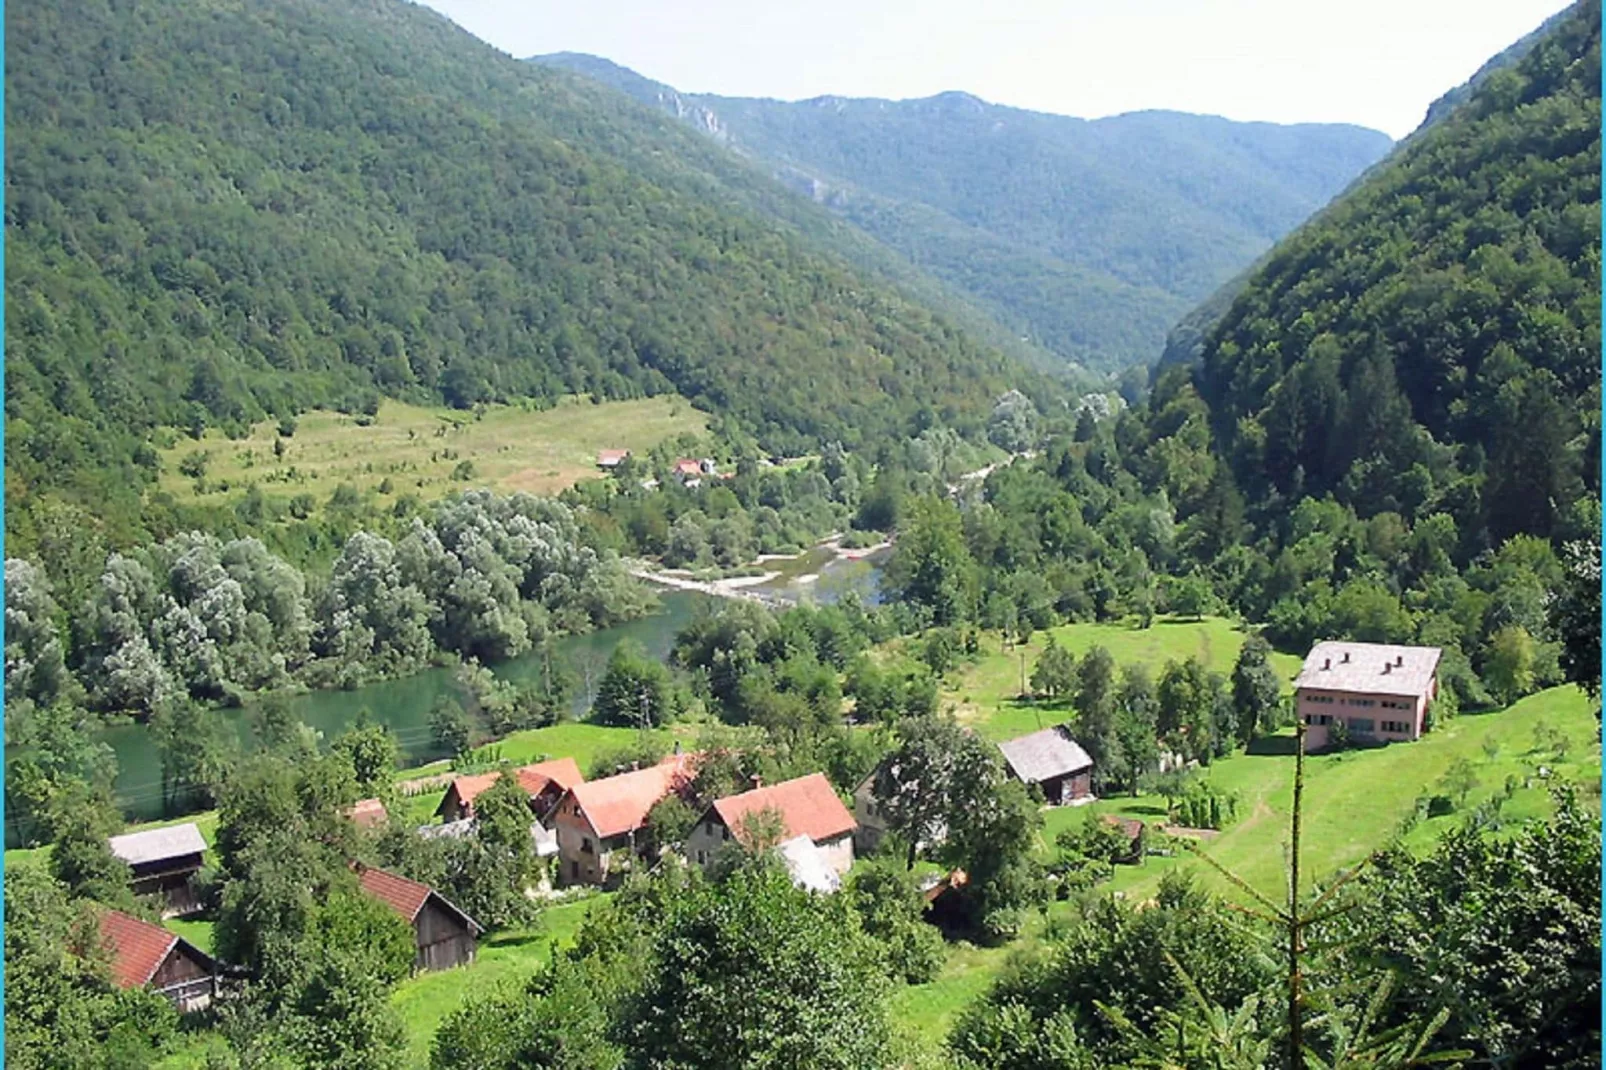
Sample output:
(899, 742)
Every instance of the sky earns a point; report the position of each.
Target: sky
(1376, 63)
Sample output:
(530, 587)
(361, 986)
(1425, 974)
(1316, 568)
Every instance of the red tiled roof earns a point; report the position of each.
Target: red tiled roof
(563, 772)
(619, 804)
(137, 947)
(403, 896)
(688, 467)
(367, 813)
(808, 806)
(611, 456)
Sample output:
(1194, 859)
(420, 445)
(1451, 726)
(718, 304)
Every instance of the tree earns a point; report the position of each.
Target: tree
(1575, 617)
(890, 909)
(931, 566)
(1460, 780)
(1190, 596)
(490, 872)
(1256, 691)
(1097, 717)
(1055, 671)
(1013, 425)
(756, 972)
(82, 820)
(61, 1009)
(372, 752)
(449, 727)
(1509, 665)
(914, 784)
(634, 691)
(35, 662)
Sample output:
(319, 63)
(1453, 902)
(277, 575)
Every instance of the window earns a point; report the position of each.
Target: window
(1397, 726)
(1318, 719)
(586, 846)
(724, 832)
(1362, 724)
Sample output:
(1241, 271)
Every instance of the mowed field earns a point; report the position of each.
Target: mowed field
(419, 449)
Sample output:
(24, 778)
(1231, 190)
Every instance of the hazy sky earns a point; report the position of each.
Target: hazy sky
(1378, 63)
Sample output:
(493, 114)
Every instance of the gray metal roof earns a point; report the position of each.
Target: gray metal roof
(1369, 668)
(155, 845)
(1044, 755)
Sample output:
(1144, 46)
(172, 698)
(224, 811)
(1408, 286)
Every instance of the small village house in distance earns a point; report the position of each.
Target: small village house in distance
(148, 956)
(1377, 691)
(1053, 761)
(164, 862)
(608, 460)
(443, 935)
(816, 829)
(544, 782)
(597, 818)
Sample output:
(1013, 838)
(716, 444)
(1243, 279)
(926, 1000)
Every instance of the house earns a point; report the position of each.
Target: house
(872, 820)
(596, 818)
(806, 807)
(544, 782)
(148, 956)
(1377, 691)
(1053, 761)
(687, 468)
(608, 460)
(443, 935)
(367, 813)
(164, 862)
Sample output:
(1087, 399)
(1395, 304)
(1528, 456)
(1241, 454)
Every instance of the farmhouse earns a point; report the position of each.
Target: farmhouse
(443, 934)
(1053, 761)
(608, 460)
(543, 782)
(806, 808)
(164, 862)
(868, 811)
(367, 813)
(596, 818)
(148, 956)
(1376, 691)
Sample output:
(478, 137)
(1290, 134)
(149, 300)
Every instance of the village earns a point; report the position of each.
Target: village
(593, 833)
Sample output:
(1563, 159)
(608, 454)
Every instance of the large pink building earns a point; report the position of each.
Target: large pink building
(1379, 692)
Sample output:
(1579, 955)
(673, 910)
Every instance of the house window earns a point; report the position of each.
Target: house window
(725, 833)
(1362, 724)
(586, 846)
(702, 858)
(1396, 726)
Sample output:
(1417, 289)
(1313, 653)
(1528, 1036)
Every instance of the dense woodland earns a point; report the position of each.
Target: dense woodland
(1090, 238)
(268, 209)
(1392, 436)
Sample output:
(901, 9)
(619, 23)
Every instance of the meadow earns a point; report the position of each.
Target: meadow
(423, 451)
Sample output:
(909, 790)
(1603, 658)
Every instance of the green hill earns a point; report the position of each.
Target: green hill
(1186, 340)
(222, 212)
(1431, 342)
(1090, 238)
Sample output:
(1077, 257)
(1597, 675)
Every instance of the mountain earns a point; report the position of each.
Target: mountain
(1431, 342)
(217, 214)
(1186, 340)
(1090, 237)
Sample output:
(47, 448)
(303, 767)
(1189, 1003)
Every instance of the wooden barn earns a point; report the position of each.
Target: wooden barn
(443, 934)
(164, 862)
(148, 956)
(1053, 761)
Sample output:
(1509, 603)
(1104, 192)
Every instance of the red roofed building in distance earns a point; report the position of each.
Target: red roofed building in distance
(544, 782)
(597, 818)
(1377, 691)
(148, 956)
(611, 459)
(443, 935)
(807, 806)
(367, 813)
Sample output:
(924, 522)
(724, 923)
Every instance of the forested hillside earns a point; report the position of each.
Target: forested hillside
(1432, 342)
(1091, 238)
(220, 214)
(1186, 340)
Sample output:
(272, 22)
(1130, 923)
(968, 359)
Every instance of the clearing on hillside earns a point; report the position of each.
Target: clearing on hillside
(429, 452)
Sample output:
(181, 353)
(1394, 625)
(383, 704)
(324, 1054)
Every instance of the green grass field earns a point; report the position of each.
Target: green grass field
(985, 694)
(424, 1001)
(418, 449)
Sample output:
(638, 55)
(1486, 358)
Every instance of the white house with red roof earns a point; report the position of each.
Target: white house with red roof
(595, 819)
(806, 808)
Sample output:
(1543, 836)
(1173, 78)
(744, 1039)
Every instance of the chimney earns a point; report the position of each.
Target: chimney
(1386, 667)
(755, 782)
(1399, 660)
(1327, 663)
(1346, 657)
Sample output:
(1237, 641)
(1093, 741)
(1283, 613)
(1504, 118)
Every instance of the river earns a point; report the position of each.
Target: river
(403, 705)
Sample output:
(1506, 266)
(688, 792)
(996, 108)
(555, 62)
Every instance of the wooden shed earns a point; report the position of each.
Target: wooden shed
(148, 956)
(443, 935)
(164, 862)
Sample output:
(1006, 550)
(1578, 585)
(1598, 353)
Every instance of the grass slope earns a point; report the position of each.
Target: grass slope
(418, 448)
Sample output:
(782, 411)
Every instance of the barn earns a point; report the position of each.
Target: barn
(148, 956)
(164, 862)
(443, 934)
(1053, 761)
